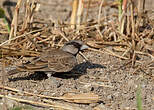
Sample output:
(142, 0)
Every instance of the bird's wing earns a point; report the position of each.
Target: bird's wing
(58, 60)
(53, 60)
(35, 65)
(39, 63)
(63, 63)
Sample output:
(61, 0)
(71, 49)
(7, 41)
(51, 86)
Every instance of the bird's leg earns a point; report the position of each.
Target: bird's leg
(49, 74)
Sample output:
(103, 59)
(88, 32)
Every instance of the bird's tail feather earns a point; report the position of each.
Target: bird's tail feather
(12, 72)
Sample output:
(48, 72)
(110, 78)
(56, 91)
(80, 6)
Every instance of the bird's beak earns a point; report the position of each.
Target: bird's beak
(83, 47)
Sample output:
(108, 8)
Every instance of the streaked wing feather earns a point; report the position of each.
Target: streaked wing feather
(50, 60)
(64, 63)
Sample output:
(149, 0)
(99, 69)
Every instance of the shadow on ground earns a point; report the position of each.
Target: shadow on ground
(79, 70)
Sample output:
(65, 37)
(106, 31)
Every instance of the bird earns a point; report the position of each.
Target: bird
(54, 60)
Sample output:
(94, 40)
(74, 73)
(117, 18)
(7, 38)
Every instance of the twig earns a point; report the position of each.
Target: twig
(63, 35)
(113, 54)
(28, 101)
(109, 52)
(121, 66)
(100, 84)
(142, 53)
(143, 66)
(93, 43)
(62, 105)
(20, 36)
(32, 94)
(51, 104)
(99, 13)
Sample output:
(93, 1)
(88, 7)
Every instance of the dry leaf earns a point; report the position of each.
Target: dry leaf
(81, 98)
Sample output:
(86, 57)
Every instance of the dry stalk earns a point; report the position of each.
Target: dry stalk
(100, 44)
(99, 13)
(87, 12)
(113, 54)
(137, 52)
(125, 52)
(99, 84)
(142, 66)
(3, 73)
(27, 101)
(123, 16)
(129, 62)
(94, 97)
(122, 22)
(29, 13)
(14, 23)
(74, 11)
(98, 30)
(62, 34)
(31, 94)
(79, 14)
(141, 6)
(23, 35)
(147, 54)
(99, 19)
(62, 106)
(133, 34)
(132, 20)
(10, 52)
(109, 52)
(128, 21)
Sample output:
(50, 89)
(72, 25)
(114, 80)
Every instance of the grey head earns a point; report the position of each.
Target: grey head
(74, 47)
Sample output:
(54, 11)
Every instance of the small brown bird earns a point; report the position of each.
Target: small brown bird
(54, 60)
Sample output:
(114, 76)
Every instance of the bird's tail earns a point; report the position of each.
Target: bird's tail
(12, 72)
(17, 70)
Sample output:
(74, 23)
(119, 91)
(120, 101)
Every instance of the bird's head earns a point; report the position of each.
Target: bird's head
(74, 46)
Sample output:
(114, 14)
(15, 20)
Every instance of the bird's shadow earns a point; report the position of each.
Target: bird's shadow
(78, 71)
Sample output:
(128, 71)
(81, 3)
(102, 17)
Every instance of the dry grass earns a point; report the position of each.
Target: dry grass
(31, 37)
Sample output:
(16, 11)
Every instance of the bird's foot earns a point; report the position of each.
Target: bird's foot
(49, 74)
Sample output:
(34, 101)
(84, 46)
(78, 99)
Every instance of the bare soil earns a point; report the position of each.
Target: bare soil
(105, 75)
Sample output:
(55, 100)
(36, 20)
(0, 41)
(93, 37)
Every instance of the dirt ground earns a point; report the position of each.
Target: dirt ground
(103, 75)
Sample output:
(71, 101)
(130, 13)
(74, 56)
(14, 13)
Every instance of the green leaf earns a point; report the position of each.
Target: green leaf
(2, 13)
(139, 99)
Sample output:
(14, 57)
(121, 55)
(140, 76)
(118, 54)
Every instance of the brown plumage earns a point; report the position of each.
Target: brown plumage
(54, 60)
